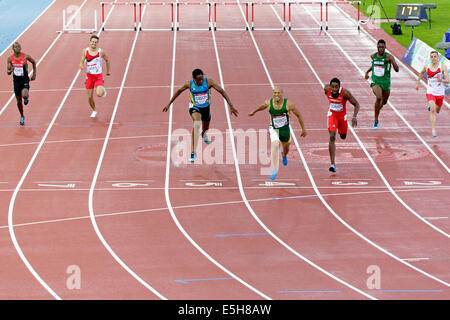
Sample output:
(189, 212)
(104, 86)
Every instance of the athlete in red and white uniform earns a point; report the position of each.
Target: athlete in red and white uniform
(94, 77)
(337, 114)
(437, 75)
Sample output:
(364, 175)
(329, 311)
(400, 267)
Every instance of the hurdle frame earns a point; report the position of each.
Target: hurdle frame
(156, 4)
(270, 3)
(357, 24)
(134, 4)
(177, 22)
(68, 30)
(303, 3)
(229, 4)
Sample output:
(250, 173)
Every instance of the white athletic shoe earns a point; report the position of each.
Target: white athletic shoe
(104, 93)
(93, 114)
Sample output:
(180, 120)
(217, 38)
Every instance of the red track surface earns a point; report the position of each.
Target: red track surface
(241, 239)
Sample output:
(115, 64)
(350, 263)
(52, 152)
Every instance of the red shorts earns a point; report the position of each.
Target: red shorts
(439, 100)
(337, 121)
(94, 80)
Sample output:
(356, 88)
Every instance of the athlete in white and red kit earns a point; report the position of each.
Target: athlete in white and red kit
(94, 77)
(437, 76)
(337, 115)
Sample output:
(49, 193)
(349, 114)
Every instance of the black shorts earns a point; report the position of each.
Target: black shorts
(204, 112)
(20, 84)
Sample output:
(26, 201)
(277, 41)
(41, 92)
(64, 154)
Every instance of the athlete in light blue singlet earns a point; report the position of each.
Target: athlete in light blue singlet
(199, 106)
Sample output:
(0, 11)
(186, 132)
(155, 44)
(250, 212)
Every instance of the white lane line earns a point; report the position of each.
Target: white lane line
(19, 185)
(45, 53)
(167, 196)
(320, 195)
(239, 178)
(98, 215)
(367, 153)
(97, 171)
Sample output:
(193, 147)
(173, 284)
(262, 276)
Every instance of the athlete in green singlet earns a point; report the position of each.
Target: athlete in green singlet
(381, 77)
(279, 128)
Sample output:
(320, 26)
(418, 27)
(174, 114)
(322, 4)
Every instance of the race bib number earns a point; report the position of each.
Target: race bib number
(280, 121)
(336, 107)
(18, 72)
(92, 69)
(378, 71)
(201, 98)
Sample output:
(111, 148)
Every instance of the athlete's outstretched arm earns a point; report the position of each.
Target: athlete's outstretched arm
(445, 72)
(420, 77)
(366, 76)
(105, 57)
(176, 94)
(83, 58)
(291, 107)
(393, 62)
(33, 63)
(347, 95)
(220, 90)
(260, 108)
(9, 67)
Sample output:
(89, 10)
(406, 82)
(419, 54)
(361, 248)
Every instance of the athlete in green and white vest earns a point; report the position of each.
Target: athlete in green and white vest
(381, 77)
(279, 128)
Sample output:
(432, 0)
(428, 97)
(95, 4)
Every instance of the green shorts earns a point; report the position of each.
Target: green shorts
(383, 86)
(282, 134)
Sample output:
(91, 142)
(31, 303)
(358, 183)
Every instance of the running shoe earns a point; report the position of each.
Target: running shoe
(206, 138)
(104, 93)
(25, 101)
(22, 121)
(93, 114)
(273, 175)
(332, 168)
(428, 108)
(193, 157)
(375, 125)
(285, 161)
(434, 134)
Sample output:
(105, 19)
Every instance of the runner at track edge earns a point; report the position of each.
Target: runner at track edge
(18, 66)
(437, 75)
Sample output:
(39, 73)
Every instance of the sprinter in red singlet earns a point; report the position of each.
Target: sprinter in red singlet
(437, 75)
(337, 114)
(94, 77)
(18, 66)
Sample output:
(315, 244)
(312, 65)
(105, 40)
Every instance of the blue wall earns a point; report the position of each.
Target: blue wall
(16, 16)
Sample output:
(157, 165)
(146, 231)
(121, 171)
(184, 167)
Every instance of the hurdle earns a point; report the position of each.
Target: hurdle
(66, 29)
(268, 4)
(177, 23)
(335, 3)
(172, 24)
(303, 3)
(133, 4)
(229, 4)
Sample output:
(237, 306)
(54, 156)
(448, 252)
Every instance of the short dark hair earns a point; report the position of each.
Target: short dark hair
(335, 80)
(381, 41)
(196, 72)
(434, 51)
(94, 37)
